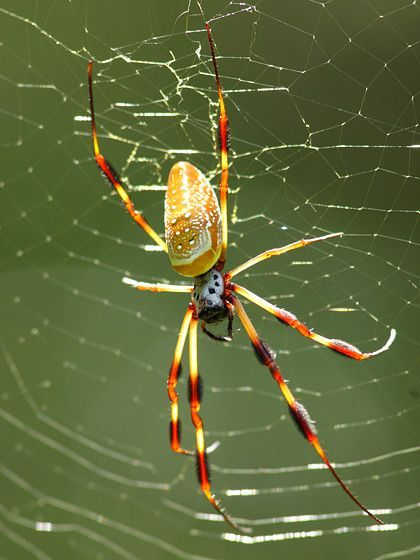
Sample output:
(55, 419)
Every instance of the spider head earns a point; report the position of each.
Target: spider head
(208, 296)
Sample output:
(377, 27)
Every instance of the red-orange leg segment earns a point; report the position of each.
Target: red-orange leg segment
(224, 148)
(195, 400)
(112, 177)
(299, 413)
(174, 372)
(288, 318)
(278, 251)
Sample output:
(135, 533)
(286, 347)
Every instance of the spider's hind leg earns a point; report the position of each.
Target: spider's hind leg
(112, 177)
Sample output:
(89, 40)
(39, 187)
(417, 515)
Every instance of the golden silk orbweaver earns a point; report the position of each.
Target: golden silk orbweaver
(196, 235)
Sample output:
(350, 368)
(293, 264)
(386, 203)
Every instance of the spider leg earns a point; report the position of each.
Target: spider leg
(174, 372)
(299, 413)
(224, 139)
(288, 318)
(229, 336)
(278, 251)
(195, 400)
(146, 286)
(112, 176)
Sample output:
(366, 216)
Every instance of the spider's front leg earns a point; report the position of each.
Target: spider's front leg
(299, 413)
(339, 346)
(195, 395)
(174, 373)
(189, 324)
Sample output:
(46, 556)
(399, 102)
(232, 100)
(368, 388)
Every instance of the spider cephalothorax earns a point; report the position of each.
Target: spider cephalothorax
(208, 296)
(196, 242)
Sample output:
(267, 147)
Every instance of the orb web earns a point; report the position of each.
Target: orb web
(323, 101)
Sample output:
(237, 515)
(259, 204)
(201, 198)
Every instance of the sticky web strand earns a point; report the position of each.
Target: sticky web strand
(85, 359)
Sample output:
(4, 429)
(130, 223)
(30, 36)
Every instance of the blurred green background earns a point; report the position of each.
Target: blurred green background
(323, 100)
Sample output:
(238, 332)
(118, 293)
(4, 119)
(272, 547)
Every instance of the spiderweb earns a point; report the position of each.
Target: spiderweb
(323, 100)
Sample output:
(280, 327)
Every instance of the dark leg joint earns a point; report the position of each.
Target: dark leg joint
(303, 421)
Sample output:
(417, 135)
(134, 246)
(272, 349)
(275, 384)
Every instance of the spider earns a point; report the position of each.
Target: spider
(196, 233)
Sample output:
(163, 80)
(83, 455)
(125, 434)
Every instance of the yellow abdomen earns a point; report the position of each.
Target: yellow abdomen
(192, 221)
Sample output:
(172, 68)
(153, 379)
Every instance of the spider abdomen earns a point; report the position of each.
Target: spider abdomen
(192, 221)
